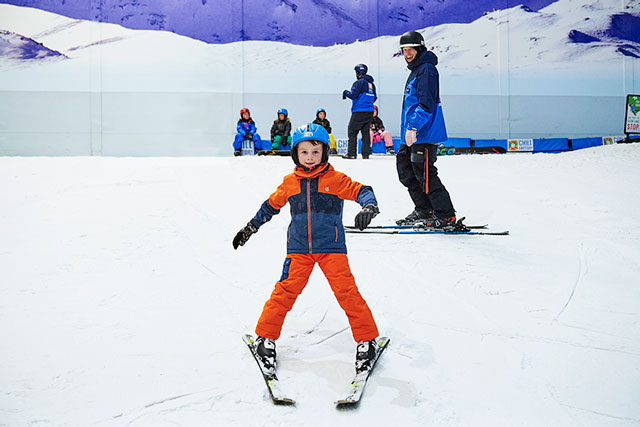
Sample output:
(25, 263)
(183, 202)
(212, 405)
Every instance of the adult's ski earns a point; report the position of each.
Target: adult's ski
(425, 231)
(273, 384)
(360, 379)
(412, 227)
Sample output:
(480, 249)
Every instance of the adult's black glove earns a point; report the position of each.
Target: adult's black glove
(344, 94)
(365, 216)
(243, 235)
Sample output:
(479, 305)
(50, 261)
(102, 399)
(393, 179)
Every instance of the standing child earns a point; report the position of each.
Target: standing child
(379, 134)
(321, 119)
(281, 131)
(315, 192)
(247, 130)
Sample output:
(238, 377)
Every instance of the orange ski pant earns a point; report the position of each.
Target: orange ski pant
(295, 275)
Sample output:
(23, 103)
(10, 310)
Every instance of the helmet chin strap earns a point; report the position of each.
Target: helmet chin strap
(306, 169)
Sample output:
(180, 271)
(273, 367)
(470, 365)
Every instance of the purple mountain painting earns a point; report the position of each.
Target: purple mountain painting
(305, 22)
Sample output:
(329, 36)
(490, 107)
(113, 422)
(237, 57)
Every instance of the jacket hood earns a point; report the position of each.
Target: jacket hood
(367, 77)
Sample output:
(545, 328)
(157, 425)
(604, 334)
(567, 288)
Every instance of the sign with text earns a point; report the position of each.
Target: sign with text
(247, 148)
(520, 145)
(341, 146)
(632, 116)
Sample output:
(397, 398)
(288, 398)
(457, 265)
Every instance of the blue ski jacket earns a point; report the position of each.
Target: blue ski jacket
(362, 94)
(421, 108)
(245, 126)
(316, 198)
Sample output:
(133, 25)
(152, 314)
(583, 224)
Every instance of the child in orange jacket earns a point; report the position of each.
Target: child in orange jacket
(315, 192)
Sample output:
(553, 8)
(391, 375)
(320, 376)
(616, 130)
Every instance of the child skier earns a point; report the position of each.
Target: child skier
(316, 192)
(281, 131)
(321, 119)
(247, 130)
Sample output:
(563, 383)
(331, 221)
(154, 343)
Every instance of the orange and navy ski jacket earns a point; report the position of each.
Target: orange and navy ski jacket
(316, 198)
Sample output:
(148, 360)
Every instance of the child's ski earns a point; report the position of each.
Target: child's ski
(425, 231)
(273, 385)
(360, 380)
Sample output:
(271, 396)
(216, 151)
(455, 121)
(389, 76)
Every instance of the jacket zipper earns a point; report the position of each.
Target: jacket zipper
(309, 212)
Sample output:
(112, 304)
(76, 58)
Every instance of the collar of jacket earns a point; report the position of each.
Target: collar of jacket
(322, 168)
(426, 56)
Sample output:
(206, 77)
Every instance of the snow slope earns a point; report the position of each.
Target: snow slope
(122, 301)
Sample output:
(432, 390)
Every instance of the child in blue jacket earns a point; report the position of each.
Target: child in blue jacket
(247, 130)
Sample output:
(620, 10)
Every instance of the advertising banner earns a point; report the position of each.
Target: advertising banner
(520, 145)
(632, 117)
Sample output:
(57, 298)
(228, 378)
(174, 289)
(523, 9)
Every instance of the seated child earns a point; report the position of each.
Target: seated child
(378, 133)
(281, 131)
(247, 130)
(321, 119)
(315, 193)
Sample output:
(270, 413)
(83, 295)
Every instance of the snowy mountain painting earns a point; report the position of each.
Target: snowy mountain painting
(566, 64)
(307, 22)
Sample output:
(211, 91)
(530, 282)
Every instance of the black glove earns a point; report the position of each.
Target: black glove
(365, 216)
(248, 136)
(243, 235)
(344, 94)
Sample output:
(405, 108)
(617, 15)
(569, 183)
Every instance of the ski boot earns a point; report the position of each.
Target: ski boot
(417, 216)
(237, 153)
(266, 351)
(365, 355)
(391, 151)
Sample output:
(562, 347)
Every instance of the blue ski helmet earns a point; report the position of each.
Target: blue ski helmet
(283, 111)
(361, 69)
(321, 110)
(310, 132)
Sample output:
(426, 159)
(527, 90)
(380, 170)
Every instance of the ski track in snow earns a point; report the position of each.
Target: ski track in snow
(582, 270)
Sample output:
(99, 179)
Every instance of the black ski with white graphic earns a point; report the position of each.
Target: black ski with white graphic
(412, 227)
(273, 384)
(360, 379)
(426, 231)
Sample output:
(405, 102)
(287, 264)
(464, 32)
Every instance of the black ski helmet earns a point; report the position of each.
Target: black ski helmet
(361, 69)
(412, 39)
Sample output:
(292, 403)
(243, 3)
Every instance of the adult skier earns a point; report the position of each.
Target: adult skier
(422, 129)
(362, 95)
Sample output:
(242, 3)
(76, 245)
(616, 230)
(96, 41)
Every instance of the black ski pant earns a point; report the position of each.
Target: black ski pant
(360, 122)
(417, 172)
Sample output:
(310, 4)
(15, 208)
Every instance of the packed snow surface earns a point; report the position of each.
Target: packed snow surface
(122, 301)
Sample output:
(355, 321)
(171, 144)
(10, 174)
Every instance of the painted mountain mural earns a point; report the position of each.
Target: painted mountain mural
(304, 22)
